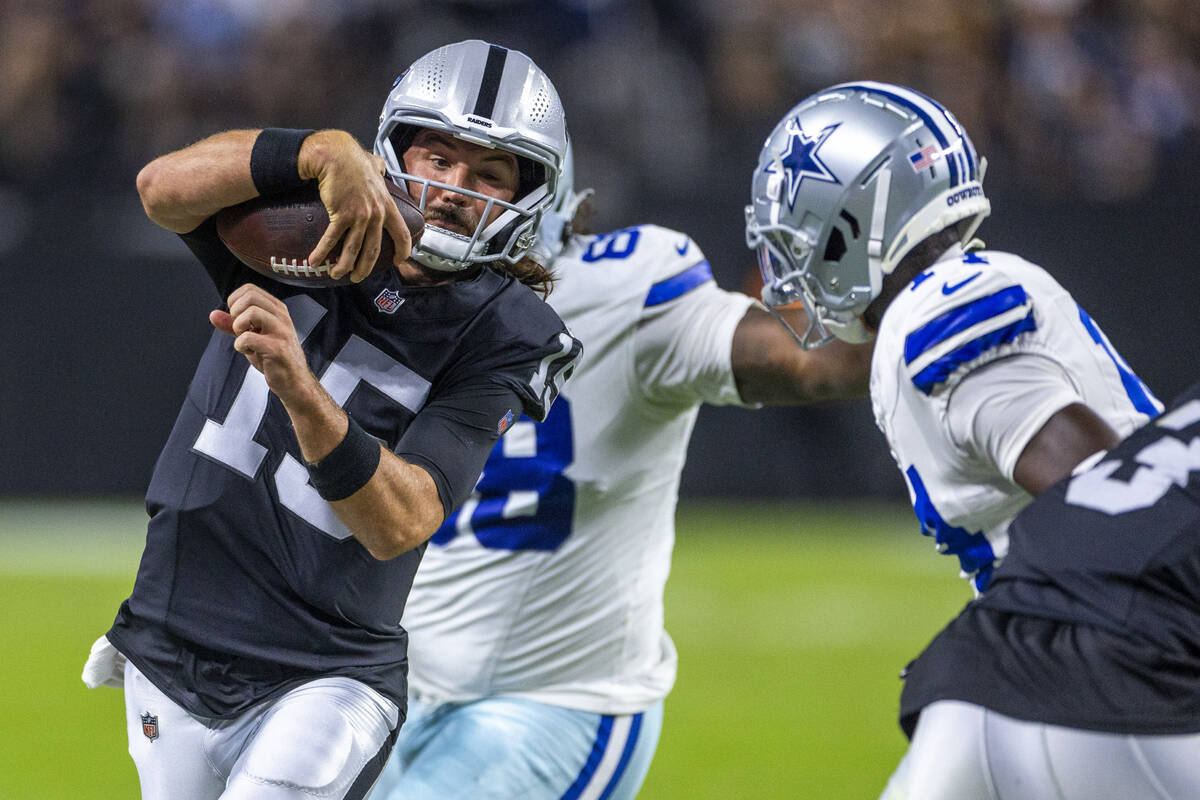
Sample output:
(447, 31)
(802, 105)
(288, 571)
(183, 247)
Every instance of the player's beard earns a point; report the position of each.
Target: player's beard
(452, 218)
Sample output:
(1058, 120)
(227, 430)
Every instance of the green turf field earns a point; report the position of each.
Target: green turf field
(791, 622)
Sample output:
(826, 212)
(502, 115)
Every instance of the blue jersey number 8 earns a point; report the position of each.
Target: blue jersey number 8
(617, 245)
(523, 501)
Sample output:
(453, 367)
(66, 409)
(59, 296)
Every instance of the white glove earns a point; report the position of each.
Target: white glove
(105, 666)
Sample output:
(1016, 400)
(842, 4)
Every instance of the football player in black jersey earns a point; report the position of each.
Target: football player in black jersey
(1077, 674)
(328, 432)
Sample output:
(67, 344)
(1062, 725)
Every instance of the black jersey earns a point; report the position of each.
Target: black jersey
(249, 582)
(1093, 620)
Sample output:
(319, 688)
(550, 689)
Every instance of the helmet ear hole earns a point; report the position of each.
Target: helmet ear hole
(846, 215)
(835, 248)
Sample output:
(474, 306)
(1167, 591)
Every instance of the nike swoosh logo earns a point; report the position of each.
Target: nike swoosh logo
(682, 248)
(948, 289)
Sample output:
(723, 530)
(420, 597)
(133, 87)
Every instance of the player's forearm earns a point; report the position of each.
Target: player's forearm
(771, 368)
(396, 509)
(182, 189)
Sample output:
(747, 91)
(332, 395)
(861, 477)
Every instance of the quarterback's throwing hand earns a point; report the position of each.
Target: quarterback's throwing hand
(263, 332)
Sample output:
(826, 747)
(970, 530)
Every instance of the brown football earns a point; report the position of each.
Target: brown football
(273, 235)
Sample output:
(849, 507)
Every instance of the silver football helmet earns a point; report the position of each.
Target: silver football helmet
(491, 96)
(850, 180)
(556, 222)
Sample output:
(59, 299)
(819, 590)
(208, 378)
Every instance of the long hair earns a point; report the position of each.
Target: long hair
(531, 273)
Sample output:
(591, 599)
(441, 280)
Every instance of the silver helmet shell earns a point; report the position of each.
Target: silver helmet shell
(847, 183)
(556, 222)
(491, 96)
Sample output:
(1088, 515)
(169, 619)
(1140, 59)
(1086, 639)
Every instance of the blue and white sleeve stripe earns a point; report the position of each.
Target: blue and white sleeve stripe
(680, 284)
(935, 350)
(1139, 394)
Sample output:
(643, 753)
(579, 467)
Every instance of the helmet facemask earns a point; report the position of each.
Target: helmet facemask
(506, 238)
(489, 96)
(783, 257)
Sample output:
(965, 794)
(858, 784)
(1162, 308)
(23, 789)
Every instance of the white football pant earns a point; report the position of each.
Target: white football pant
(962, 751)
(327, 738)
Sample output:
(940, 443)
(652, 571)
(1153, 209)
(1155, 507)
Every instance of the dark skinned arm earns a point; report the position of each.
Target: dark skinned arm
(771, 368)
(1068, 437)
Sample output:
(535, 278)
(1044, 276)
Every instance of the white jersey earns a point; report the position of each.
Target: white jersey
(548, 583)
(971, 359)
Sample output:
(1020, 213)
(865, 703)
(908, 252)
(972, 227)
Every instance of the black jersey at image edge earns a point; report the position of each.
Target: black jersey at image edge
(1093, 619)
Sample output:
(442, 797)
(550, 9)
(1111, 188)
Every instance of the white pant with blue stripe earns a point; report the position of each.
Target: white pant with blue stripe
(505, 748)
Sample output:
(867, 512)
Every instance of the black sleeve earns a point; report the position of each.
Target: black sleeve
(222, 266)
(453, 434)
(535, 373)
(539, 384)
(518, 367)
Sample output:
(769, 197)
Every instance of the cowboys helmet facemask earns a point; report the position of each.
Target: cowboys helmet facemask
(556, 222)
(486, 95)
(848, 182)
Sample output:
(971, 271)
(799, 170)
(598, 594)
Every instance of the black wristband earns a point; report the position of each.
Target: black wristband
(347, 467)
(273, 161)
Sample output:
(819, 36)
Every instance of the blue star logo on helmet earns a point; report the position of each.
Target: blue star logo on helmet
(801, 160)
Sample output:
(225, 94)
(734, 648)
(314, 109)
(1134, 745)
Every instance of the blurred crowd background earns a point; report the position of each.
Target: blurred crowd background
(1087, 110)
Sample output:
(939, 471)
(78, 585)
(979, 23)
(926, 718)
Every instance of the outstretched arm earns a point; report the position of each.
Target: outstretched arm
(394, 506)
(182, 189)
(771, 368)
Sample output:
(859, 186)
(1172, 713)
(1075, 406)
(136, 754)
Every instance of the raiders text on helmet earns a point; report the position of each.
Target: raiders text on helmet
(491, 96)
(849, 182)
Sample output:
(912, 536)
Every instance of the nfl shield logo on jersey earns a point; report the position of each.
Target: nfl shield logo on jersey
(150, 726)
(504, 422)
(388, 301)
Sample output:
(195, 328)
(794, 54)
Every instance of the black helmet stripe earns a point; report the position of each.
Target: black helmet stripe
(489, 87)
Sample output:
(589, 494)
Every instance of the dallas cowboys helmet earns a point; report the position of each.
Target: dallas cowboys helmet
(556, 223)
(850, 180)
(491, 96)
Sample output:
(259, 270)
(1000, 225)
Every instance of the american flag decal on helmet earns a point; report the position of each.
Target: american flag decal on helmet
(150, 726)
(925, 157)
